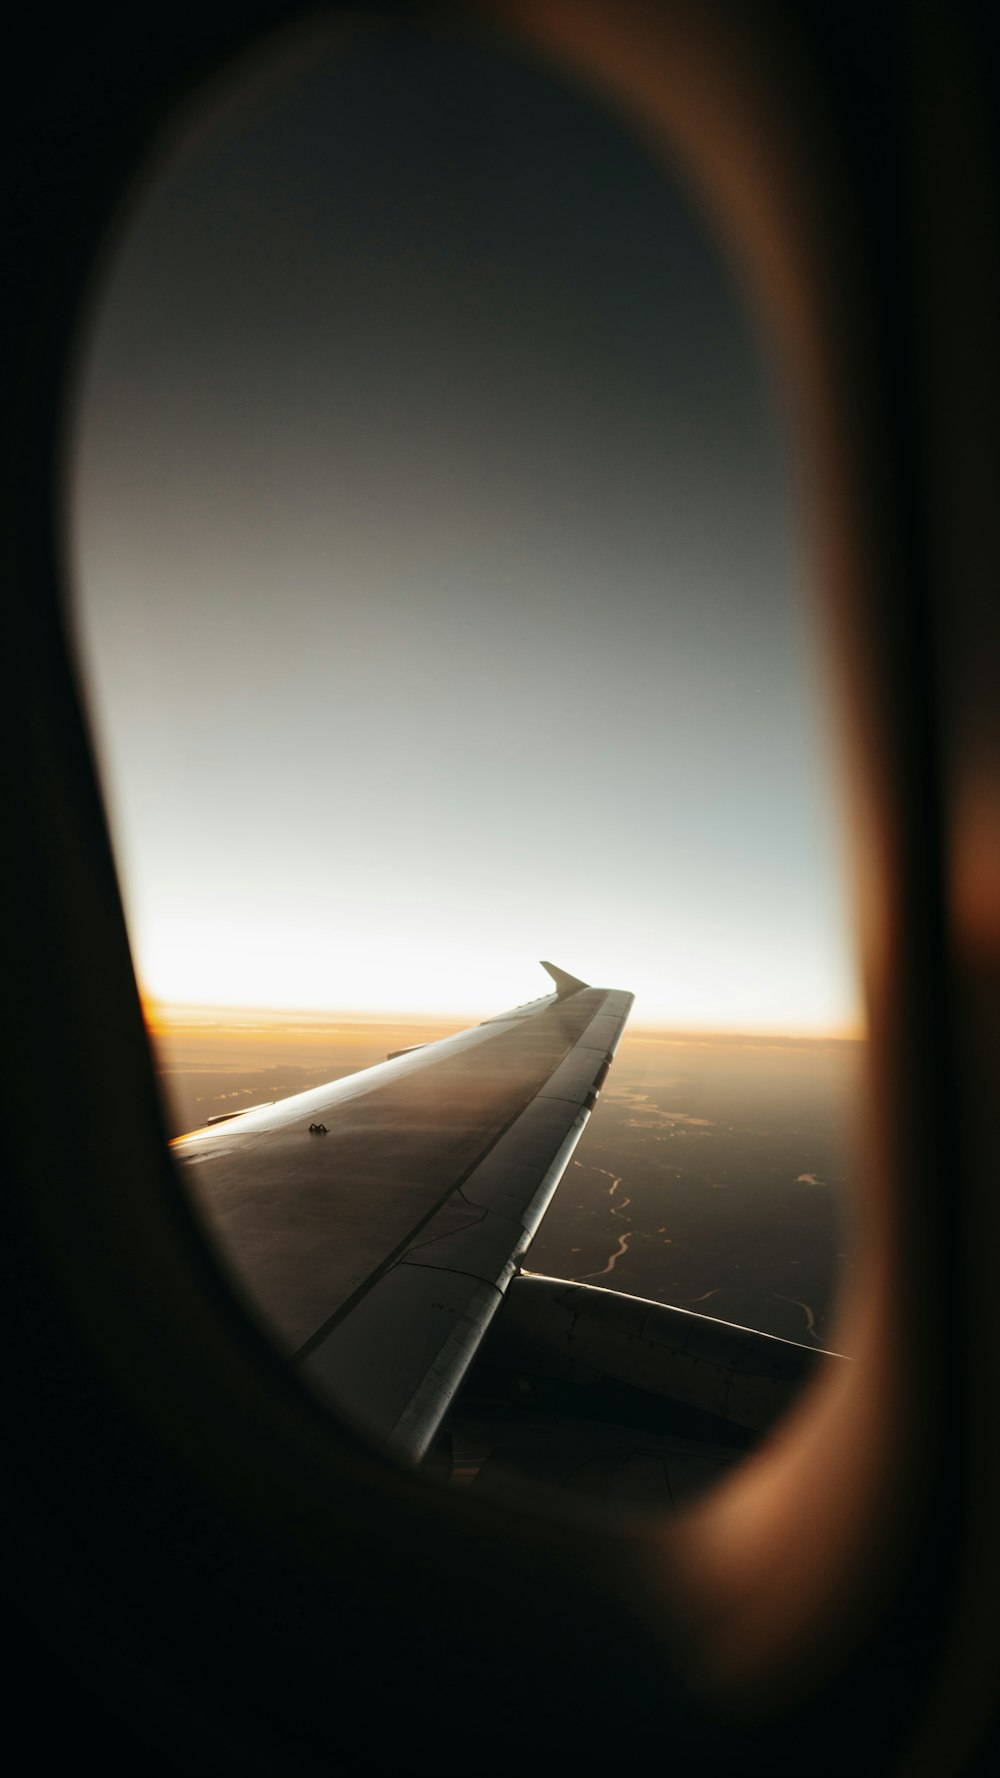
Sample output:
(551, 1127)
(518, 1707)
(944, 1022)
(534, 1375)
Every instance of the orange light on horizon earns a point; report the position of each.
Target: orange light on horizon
(165, 1018)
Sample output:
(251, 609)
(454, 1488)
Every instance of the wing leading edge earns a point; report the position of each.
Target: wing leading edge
(380, 1247)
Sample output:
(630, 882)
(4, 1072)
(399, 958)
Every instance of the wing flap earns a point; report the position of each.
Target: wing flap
(467, 1255)
(394, 1362)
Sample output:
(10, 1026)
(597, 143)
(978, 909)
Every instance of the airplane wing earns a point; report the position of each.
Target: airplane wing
(376, 1222)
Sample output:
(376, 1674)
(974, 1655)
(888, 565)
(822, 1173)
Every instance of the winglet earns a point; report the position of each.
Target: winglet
(565, 984)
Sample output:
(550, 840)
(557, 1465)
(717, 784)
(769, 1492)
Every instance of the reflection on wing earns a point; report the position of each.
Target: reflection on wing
(379, 1246)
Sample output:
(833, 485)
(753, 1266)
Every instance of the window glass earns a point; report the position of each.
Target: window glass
(440, 606)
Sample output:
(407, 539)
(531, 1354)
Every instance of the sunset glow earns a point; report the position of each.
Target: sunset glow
(681, 984)
(439, 591)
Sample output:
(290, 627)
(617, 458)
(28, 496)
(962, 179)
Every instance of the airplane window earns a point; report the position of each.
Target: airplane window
(440, 605)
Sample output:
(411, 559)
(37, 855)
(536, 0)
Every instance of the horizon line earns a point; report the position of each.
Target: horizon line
(162, 1014)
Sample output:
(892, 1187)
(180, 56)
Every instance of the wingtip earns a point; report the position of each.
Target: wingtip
(565, 983)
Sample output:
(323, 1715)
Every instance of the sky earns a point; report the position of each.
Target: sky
(435, 565)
